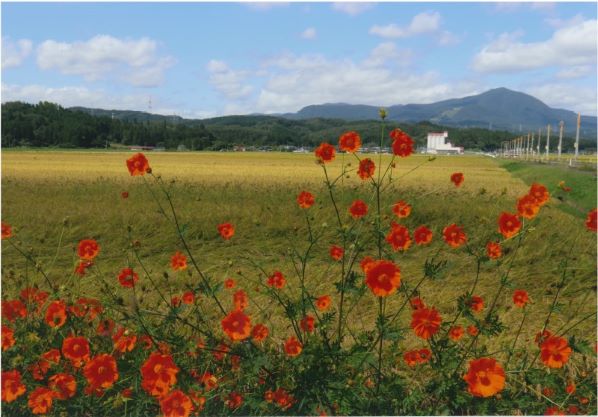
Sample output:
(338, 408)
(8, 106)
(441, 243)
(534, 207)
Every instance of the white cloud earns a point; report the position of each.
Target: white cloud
(387, 52)
(568, 46)
(14, 53)
(447, 38)
(568, 96)
(421, 23)
(106, 57)
(351, 8)
(576, 72)
(297, 81)
(227, 81)
(309, 33)
(558, 23)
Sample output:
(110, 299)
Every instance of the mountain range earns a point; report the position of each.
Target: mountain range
(496, 109)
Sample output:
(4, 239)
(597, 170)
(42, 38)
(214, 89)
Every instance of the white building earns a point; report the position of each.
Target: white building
(437, 144)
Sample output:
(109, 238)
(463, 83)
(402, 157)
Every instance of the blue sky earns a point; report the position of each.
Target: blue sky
(209, 59)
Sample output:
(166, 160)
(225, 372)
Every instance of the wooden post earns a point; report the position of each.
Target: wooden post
(577, 136)
(561, 124)
(547, 143)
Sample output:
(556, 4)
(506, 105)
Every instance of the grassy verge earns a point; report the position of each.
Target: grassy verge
(577, 202)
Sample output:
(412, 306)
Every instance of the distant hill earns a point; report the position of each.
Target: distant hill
(499, 108)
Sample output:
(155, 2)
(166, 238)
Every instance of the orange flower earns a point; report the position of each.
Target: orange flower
(415, 357)
(259, 332)
(527, 207)
(292, 346)
(39, 369)
(555, 351)
(305, 199)
(367, 168)
(592, 220)
(358, 209)
(472, 330)
(8, 337)
(422, 235)
(33, 295)
(176, 404)
(485, 377)
(86, 307)
(350, 142)
(221, 351)
(6, 230)
(128, 278)
(366, 263)
(64, 385)
(88, 249)
(188, 297)
(13, 309)
(323, 302)
(82, 267)
(124, 195)
(283, 398)
(554, 411)
(276, 280)
(402, 144)
(570, 388)
(241, 300)
(12, 387)
(454, 236)
(124, 341)
(401, 209)
(40, 400)
(76, 349)
(158, 374)
(105, 327)
(383, 277)
(138, 164)
(101, 371)
(508, 224)
(234, 399)
(425, 322)
(539, 193)
(493, 250)
(520, 298)
(416, 303)
(325, 152)
(308, 323)
(399, 237)
(178, 261)
(476, 303)
(53, 355)
(572, 410)
(226, 230)
(457, 178)
(208, 380)
(237, 325)
(229, 283)
(336, 252)
(56, 314)
(456, 333)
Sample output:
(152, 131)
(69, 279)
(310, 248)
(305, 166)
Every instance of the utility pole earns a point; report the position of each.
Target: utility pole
(561, 124)
(539, 142)
(532, 147)
(547, 142)
(527, 147)
(577, 136)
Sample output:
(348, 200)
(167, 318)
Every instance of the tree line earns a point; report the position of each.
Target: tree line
(50, 125)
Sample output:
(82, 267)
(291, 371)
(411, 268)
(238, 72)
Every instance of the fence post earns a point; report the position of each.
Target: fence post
(561, 124)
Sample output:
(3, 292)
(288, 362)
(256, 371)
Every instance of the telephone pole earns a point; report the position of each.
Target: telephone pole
(547, 142)
(561, 124)
(577, 136)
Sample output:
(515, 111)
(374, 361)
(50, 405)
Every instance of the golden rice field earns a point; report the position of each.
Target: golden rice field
(273, 348)
(54, 199)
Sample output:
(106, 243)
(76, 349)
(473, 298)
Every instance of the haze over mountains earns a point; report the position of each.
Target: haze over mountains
(497, 109)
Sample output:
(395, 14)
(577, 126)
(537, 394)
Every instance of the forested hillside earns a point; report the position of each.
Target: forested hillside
(49, 125)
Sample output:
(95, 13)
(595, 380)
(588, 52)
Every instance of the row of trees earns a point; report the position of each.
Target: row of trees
(49, 125)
